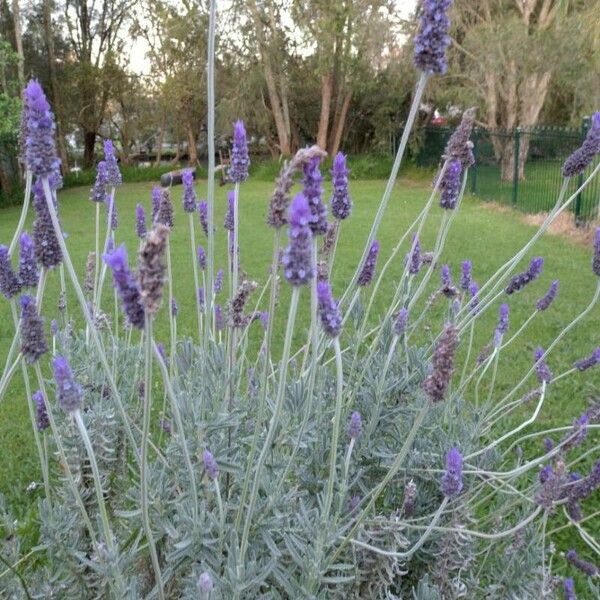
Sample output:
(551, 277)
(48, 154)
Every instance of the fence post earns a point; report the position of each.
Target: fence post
(474, 167)
(585, 125)
(517, 145)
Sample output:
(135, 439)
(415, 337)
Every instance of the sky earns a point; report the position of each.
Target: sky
(138, 47)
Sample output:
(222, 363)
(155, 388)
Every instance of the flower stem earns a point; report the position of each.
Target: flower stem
(24, 210)
(196, 277)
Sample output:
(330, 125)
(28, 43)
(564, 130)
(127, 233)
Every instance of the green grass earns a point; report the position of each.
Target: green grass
(485, 236)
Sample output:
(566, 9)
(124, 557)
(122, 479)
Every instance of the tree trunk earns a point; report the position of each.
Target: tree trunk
(192, 150)
(19, 42)
(339, 124)
(89, 145)
(326, 90)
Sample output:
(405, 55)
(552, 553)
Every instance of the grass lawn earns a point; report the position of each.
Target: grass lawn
(486, 236)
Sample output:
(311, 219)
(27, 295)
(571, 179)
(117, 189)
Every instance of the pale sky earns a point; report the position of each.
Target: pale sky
(138, 47)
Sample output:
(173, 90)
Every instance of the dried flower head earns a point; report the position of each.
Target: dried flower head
(442, 368)
(236, 306)
(151, 268)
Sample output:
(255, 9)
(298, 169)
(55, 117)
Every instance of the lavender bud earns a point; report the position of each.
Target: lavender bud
(203, 215)
(201, 257)
(210, 465)
(68, 391)
(174, 308)
(238, 172)
(140, 222)
(584, 566)
(584, 156)
(42, 420)
(450, 185)
(218, 283)
(229, 222)
(156, 199)
(452, 483)
(518, 282)
(596, 256)
(545, 302)
(355, 425)
(151, 268)
(126, 286)
(401, 322)
(313, 192)
(297, 259)
(569, 587)
(368, 269)
(9, 282)
(410, 499)
(433, 39)
(28, 274)
(33, 340)
(459, 146)
(45, 243)
(502, 326)
(591, 361)
(165, 210)
(415, 257)
(541, 368)
(219, 321)
(341, 204)
(548, 444)
(467, 275)
(189, 195)
(98, 191)
(329, 312)
(205, 583)
(474, 304)
(113, 175)
(40, 150)
(436, 384)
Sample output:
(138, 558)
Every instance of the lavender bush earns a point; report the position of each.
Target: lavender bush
(359, 462)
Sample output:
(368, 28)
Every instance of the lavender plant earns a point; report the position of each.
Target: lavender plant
(359, 460)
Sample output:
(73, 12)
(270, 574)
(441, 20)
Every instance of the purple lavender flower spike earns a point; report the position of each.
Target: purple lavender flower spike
(203, 215)
(437, 382)
(586, 486)
(452, 482)
(331, 318)
(569, 587)
(140, 222)
(33, 340)
(474, 304)
(577, 435)
(545, 474)
(174, 307)
(584, 566)
(238, 172)
(156, 197)
(544, 374)
(189, 195)
(219, 320)
(341, 204)
(201, 257)
(111, 213)
(355, 425)
(98, 191)
(545, 302)
(415, 257)
(401, 322)
(591, 361)
(297, 259)
(584, 156)
(548, 444)
(165, 209)
(313, 192)
(218, 283)
(127, 286)
(9, 282)
(368, 269)
(502, 326)
(518, 282)
(68, 391)
(205, 583)
(200, 293)
(45, 243)
(450, 185)
(433, 39)
(40, 149)
(445, 277)
(42, 421)
(210, 465)
(228, 223)
(459, 145)
(467, 275)
(114, 178)
(596, 256)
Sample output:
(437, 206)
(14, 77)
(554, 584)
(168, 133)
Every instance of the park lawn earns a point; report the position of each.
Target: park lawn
(485, 236)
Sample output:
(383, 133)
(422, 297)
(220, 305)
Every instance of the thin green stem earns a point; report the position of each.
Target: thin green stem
(24, 210)
(196, 277)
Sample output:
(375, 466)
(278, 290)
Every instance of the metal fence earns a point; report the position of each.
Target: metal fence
(521, 167)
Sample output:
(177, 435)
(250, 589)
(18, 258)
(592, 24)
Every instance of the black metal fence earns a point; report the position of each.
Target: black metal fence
(521, 167)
